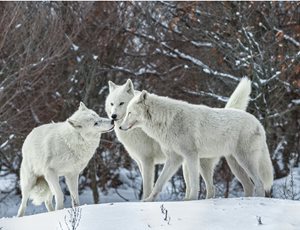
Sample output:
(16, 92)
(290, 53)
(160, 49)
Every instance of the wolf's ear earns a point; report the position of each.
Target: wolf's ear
(74, 123)
(143, 96)
(129, 87)
(82, 106)
(112, 86)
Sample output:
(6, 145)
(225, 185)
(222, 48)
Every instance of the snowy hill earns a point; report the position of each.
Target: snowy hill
(214, 214)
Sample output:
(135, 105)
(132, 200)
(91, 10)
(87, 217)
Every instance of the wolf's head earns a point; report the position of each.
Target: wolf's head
(118, 99)
(88, 122)
(137, 112)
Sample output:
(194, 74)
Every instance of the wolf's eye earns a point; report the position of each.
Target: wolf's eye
(122, 103)
(112, 104)
(96, 123)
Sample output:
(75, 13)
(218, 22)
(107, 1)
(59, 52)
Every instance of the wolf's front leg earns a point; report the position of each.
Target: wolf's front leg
(172, 164)
(72, 183)
(147, 169)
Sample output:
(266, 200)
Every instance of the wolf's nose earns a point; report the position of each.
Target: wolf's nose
(112, 122)
(114, 116)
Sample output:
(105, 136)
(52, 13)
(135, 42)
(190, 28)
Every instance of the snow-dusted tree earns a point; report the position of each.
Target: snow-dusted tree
(50, 54)
(197, 51)
(55, 54)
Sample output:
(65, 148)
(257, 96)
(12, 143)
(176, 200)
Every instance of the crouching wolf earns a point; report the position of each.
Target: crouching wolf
(59, 149)
(187, 133)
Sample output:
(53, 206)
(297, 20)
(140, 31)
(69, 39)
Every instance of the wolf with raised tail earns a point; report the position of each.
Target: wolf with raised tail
(147, 152)
(187, 133)
(59, 149)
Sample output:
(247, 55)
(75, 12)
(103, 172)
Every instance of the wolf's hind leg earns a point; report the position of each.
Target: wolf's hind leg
(186, 180)
(241, 175)
(53, 182)
(249, 163)
(49, 204)
(192, 163)
(26, 183)
(207, 166)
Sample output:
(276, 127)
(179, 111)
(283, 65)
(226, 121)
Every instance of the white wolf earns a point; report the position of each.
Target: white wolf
(59, 149)
(147, 152)
(187, 132)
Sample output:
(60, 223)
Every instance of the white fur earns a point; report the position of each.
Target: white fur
(59, 149)
(147, 152)
(189, 132)
(142, 148)
(239, 99)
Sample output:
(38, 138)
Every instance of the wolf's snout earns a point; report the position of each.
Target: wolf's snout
(114, 116)
(112, 122)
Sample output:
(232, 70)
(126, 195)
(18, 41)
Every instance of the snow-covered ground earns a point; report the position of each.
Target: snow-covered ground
(115, 213)
(9, 203)
(9, 207)
(214, 214)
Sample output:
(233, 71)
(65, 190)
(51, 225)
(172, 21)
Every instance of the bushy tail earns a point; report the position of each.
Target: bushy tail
(239, 99)
(266, 170)
(40, 192)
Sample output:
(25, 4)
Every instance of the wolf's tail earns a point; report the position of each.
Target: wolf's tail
(266, 170)
(239, 99)
(40, 192)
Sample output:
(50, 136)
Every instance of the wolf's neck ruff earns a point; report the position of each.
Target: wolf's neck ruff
(158, 122)
(73, 143)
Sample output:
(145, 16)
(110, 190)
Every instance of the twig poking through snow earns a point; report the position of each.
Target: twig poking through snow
(165, 212)
(73, 220)
(117, 192)
(259, 222)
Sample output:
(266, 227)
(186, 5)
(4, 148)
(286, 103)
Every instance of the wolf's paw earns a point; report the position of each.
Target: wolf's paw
(149, 199)
(190, 198)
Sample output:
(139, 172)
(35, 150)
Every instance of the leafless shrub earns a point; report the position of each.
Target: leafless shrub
(72, 221)
(164, 211)
(288, 189)
(259, 222)
(55, 54)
